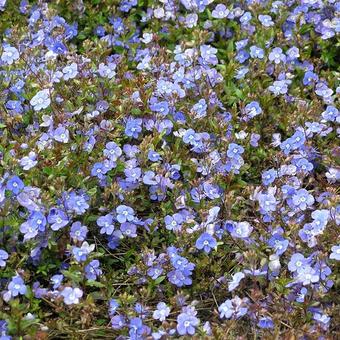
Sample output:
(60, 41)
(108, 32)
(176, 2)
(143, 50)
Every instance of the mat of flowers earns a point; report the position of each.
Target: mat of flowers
(169, 169)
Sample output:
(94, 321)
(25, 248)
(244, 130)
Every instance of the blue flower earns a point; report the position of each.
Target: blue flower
(266, 322)
(17, 286)
(302, 199)
(268, 177)
(57, 280)
(234, 150)
(57, 218)
(278, 243)
(335, 255)
(113, 306)
(206, 242)
(162, 312)
(76, 203)
(200, 108)
(92, 270)
(240, 229)
(112, 151)
(125, 213)
(81, 253)
(268, 203)
(61, 134)
(71, 295)
(154, 156)
(220, 12)
(59, 48)
(234, 283)
(296, 262)
(173, 222)
(310, 78)
(128, 229)
(78, 231)
(15, 185)
(70, 71)
(99, 170)
(106, 224)
(277, 56)
(186, 324)
(107, 71)
(9, 55)
(118, 322)
(133, 127)
(307, 275)
(28, 162)
(266, 20)
(3, 258)
(29, 229)
(41, 100)
(256, 52)
(234, 308)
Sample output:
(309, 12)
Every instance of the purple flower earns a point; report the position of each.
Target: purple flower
(15, 185)
(125, 213)
(78, 231)
(206, 242)
(71, 295)
(161, 312)
(186, 324)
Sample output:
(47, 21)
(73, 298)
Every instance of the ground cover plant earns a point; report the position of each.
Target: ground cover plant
(169, 169)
